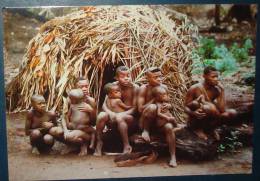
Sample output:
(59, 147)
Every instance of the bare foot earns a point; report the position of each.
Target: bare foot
(200, 133)
(146, 136)
(68, 149)
(173, 162)
(127, 149)
(83, 150)
(35, 151)
(98, 149)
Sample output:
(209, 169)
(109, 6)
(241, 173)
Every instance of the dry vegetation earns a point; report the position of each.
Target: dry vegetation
(84, 43)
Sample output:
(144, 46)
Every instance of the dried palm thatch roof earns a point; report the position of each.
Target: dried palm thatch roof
(84, 43)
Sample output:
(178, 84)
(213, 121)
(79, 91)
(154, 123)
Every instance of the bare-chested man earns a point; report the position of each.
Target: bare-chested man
(58, 132)
(38, 123)
(128, 97)
(148, 107)
(205, 104)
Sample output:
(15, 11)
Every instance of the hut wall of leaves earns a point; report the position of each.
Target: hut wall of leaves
(88, 41)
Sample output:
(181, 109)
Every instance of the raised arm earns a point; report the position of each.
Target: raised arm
(220, 101)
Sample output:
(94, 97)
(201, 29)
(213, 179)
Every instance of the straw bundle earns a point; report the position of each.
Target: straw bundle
(84, 43)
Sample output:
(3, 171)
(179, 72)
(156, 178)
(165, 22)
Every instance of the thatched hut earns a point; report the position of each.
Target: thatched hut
(93, 41)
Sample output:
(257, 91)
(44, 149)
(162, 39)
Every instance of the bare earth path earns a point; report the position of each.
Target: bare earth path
(25, 166)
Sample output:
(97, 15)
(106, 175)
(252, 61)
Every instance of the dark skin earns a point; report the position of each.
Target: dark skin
(38, 123)
(165, 120)
(205, 104)
(163, 107)
(154, 102)
(114, 102)
(84, 86)
(122, 119)
(72, 138)
(146, 104)
(79, 120)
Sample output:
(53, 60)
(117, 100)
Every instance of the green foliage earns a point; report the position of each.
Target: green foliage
(241, 53)
(230, 143)
(227, 61)
(206, 48)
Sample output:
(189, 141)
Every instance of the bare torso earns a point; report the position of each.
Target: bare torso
(114, 105)
(210, 94)
(38, 120)
(78, 118)
(128, 94)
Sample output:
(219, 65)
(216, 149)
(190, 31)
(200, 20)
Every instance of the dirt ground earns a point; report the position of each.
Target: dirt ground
(25, 166)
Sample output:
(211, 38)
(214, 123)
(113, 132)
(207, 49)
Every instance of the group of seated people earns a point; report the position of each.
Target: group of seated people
(131, 108)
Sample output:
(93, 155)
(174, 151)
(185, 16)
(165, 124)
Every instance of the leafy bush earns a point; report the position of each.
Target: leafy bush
(230, 143)
(241, 54)
(227, 61)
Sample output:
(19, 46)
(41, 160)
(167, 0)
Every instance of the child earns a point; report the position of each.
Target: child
(124, 119)
(116, 105)
(79, 120)
(163, 107)
(38, 123)
(201, 105)
(114, 101)
(165, 122)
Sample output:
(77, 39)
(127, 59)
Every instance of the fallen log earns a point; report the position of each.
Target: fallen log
(188, 145)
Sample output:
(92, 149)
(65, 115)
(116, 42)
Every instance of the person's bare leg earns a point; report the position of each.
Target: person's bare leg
(147, 117)
(35, 137)
(92, 142)
(83, 149)
(123, 129)
(201, 134)
(102, 119)
(74, 138)
(48, 140)
(57, 133)
(170, 138)
(145, 133)
(228, 116)
(83, 139)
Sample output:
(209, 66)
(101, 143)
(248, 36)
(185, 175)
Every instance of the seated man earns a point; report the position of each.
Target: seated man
(128, 92)
(38, 123)
(58, 132)
(205, 104)
(146, 104)
(154, 108)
